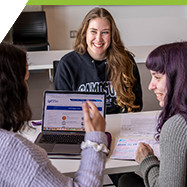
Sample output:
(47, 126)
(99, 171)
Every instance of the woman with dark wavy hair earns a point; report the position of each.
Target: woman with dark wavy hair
(100, 62)
(14, 108)
(168, 67)
(23, 163)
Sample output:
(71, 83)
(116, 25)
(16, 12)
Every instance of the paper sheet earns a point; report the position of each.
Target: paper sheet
(135, 128)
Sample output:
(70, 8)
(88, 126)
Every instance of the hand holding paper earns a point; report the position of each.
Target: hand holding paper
(135, 128)
(142, 152)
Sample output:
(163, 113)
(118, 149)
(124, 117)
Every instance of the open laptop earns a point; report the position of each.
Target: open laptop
(63, 122)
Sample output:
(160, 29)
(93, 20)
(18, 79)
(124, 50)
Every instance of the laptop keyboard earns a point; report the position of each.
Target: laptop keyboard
(62, 139)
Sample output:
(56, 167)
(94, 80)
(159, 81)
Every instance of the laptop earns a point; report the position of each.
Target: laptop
(63, 122)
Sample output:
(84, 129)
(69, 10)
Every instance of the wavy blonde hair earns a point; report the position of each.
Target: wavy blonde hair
(119, 64)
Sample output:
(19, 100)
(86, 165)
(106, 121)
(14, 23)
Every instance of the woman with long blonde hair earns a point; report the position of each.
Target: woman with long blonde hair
(100, 62)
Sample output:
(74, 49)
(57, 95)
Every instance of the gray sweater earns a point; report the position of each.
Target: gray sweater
(23, 164)
(172, 169)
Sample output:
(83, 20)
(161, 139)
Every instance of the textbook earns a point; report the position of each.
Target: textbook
(136, 127)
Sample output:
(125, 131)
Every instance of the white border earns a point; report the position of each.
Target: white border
(9, 11)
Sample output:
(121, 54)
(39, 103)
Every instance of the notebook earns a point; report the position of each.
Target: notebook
(63, 122)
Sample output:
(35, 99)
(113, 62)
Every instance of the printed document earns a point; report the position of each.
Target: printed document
(136, 127)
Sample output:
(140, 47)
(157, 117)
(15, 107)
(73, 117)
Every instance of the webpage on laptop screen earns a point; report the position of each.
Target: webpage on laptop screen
(64, 111)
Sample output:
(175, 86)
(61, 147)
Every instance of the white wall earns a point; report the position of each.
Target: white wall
(138, 25)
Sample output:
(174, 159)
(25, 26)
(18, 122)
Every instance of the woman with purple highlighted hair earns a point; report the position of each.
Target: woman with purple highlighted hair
(168, 67)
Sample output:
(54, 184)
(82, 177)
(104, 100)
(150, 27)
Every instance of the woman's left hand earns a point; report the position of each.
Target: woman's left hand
(142, 151)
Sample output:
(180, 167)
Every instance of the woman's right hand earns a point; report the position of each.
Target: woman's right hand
(142, 151)
(93, 120)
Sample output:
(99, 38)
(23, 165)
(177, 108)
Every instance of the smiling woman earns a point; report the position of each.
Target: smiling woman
(167, 64)
(98, 38)
(158, 85)
(100, 63)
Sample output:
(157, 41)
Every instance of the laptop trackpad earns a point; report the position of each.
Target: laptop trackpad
(67, 148)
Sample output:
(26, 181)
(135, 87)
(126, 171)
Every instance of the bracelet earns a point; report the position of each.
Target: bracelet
(95, 146)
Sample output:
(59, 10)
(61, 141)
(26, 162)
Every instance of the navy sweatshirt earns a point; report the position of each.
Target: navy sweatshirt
(82, 73)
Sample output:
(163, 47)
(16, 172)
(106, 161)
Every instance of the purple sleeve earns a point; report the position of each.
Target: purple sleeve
(90, 172)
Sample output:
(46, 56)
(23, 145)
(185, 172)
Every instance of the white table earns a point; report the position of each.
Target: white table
(70, 166)
(41, 60)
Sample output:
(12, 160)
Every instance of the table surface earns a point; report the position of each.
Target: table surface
(44, 59)
(70, 166)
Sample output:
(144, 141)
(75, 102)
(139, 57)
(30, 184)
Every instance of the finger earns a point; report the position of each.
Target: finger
(85, 108)
(92, 105)
(142, 147)
(92, 108)
(148, 146)
(141, 144)
(145, 144)
(150, 149)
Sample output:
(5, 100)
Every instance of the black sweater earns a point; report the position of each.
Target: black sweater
(82, 73)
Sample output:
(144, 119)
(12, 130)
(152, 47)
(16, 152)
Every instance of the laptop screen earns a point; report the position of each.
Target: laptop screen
(62, 111)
